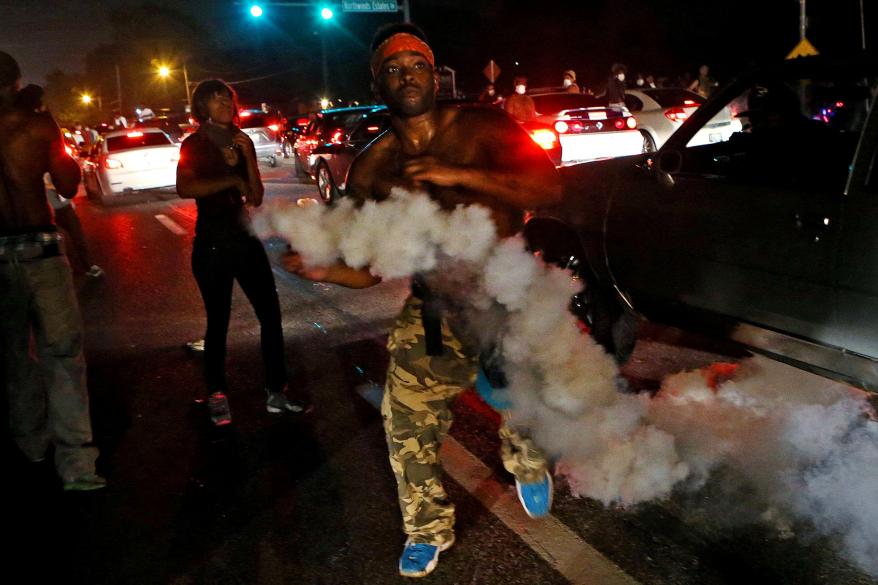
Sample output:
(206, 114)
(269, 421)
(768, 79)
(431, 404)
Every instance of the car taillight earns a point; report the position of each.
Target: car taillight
(112, 163)
(631, 122)
(619, 123)
(135, 134)
(561, 126)
(245, 114)
(688, 103)
(676, 114)
(545, 138)
(69, 150)
(336, 136)
(273, 127)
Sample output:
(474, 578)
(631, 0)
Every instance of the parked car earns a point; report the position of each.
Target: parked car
(661, 111)
(767, 236)
(130, 160)
(587, 129)
(264, 130)
(327, 126)
(331, 160)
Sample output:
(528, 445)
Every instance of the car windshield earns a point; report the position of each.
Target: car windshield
(556, 102)
(344, 120)
(669, 98)
(137, 140)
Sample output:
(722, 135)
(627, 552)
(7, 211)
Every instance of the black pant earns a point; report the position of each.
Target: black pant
(216, 264)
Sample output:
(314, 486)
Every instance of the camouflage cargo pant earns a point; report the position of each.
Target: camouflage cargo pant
(417, 416)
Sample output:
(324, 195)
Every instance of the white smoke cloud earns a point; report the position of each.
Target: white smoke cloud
(803, 444)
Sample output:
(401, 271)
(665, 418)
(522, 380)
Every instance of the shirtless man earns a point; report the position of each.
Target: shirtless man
(38, 295)
(459, 156)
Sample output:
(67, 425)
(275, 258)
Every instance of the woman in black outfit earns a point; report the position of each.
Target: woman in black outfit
(218, 169)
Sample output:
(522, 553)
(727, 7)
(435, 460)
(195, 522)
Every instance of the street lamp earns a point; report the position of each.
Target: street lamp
(86, 99)
(164, 72)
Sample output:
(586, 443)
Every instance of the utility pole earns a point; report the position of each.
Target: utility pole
(803, 20)
(862, 25)
(188, 92)
(118, 88)
(407, 15)
(325, 65)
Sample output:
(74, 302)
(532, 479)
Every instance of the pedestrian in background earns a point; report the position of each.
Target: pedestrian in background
(569, 82)
(704, 84)
(65, 217)
(616, 86)
(218, 169)
(489, 95)
(520, 105)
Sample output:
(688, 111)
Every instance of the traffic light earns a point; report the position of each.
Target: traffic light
(256, 10)
(326, 13)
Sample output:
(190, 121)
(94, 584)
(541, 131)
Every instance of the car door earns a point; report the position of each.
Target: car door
(746, 227)
(858, 271)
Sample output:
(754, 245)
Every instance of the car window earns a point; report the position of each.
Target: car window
(797, 133)
(633, 103)
(137, 140)
(254, 120)
(674, 97)
(555, 102)
(370, 128)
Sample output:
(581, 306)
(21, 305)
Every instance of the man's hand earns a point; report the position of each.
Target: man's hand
(292, 262)
(429, 169)
(338, 273)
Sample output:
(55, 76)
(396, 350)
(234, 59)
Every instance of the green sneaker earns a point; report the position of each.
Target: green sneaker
(85, 483)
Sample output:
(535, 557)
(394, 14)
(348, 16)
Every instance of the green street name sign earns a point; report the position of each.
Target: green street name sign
(370, 6)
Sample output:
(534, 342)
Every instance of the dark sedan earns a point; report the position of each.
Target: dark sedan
(768, 236)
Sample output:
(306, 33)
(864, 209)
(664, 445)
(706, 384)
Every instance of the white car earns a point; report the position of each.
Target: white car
(587, 129)
(661, 111)
(131, 160)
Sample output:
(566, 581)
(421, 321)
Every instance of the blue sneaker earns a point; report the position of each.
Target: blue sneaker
(536, 498)
(419, 560)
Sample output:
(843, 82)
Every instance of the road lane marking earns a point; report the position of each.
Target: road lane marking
(551, 539)
(170, 224)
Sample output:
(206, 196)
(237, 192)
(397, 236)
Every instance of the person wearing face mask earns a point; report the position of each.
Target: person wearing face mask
(490, 96)
(569, 83)
(520, 105)
(616, 86)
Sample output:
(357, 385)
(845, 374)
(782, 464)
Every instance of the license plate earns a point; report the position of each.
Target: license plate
(597, 115)
(716, 137)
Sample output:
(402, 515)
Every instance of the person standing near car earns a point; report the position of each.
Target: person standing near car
(451, 153)
(520, 105)
(569, 82)
(616, 86)
(47, 391)
(218, 169)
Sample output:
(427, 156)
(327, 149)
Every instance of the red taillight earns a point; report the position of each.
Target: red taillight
(839, 104)
(690, 103)
(135, 135)
(545, 138)
(676, 114)
(245, 114)
(273, 127)
(68, 150)
(112, 163)
(619, 123)
(371, 129)
(631, 122)
(337, 136)
(561, 126)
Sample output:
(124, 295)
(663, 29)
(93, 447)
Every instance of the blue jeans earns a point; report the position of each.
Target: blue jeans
(48, 396)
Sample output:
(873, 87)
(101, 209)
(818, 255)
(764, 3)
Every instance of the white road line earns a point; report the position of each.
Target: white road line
(170, 224)
(555, 543)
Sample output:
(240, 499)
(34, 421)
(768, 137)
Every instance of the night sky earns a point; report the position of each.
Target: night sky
(663, 37)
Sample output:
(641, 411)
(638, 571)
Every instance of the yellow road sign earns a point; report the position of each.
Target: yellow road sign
(803, 49)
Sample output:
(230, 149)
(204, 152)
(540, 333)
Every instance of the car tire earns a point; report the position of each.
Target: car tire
(325, 185)
(272, 161)
(648, 143)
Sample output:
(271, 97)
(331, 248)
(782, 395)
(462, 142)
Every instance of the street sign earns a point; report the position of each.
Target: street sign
(369, 6)
(803, 49)
(491, 71)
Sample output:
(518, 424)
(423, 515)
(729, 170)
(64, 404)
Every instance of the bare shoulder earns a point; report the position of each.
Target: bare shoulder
(362, 172)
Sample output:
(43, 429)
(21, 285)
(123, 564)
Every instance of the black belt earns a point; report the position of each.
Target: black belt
(431, 317)
(31, 246)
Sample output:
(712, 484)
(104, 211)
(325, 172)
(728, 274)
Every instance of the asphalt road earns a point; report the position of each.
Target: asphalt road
(310, 499)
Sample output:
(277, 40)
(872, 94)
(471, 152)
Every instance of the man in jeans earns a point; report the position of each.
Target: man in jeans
(48, 398)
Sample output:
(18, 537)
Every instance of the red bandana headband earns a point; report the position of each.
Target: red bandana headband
(398, 43)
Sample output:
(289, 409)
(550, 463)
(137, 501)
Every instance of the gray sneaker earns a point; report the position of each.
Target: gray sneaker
(278, 402)
(85, 483)
(218, 407)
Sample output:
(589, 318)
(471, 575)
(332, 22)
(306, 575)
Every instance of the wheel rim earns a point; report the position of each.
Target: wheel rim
(324, 183)
(648, 145)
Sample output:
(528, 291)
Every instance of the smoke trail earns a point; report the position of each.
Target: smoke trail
(805, 447)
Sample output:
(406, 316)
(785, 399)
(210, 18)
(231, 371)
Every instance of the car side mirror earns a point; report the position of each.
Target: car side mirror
(668, 163)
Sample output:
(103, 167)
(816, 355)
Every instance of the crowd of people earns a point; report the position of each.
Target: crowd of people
(519, 105)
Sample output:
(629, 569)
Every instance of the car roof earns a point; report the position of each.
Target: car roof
(353, 109)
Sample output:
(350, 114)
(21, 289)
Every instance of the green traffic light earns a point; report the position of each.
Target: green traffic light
(256, 11)
(326, 13)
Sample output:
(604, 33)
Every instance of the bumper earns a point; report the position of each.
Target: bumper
(585, 147)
